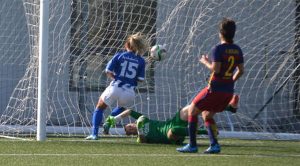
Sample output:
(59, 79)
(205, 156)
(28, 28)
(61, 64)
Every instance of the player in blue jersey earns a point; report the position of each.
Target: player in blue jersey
(125, 69)
(226, 65)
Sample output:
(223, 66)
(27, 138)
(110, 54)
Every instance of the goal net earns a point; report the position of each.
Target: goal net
(85, 34)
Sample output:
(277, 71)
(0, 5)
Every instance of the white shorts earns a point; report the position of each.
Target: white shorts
(123, 96)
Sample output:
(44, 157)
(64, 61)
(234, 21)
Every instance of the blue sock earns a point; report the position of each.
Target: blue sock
(97, 119)
(212, 131)
(193, 120)
(116, 111)
(192, 133)
(211, 136)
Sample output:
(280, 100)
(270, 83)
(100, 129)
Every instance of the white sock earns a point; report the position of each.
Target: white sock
(118, 118)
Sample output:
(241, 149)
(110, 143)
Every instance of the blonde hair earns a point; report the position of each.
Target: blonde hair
(137, 43)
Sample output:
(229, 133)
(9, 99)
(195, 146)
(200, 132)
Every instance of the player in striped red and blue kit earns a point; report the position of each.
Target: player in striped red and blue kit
(125, 69)
(226, 65)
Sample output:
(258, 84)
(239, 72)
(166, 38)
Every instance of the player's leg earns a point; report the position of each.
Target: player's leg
(184, 113)
(108, 97)
(217, 102)
(124, 99)
(192, 128)
(212, 131)
(97, 119)
(198, 104)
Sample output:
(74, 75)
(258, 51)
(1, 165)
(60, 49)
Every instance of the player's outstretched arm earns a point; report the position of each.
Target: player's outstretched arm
(135, 114)
(128, 112)
(112, 120)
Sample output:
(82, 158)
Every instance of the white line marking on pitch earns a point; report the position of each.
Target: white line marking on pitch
(152, 155)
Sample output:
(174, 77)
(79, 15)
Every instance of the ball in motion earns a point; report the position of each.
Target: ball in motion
(158, 52)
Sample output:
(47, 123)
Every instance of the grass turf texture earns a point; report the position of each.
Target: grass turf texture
(125, 151)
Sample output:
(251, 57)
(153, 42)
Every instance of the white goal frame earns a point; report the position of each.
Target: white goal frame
(43, 71)
(53, 54)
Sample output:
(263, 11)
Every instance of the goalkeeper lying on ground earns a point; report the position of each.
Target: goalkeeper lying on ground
(172, 131)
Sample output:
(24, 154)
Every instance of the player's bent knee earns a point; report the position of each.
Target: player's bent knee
(170, 134)
(101, 105)
(193, 110)
(206, 115)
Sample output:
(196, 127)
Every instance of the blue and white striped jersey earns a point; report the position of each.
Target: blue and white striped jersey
(127, 67)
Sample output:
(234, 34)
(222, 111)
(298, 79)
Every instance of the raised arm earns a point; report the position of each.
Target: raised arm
(212, 66)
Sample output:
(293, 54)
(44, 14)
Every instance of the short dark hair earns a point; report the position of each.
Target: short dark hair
(227, 29)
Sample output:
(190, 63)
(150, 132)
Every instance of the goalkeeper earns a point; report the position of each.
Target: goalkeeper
(171, 131)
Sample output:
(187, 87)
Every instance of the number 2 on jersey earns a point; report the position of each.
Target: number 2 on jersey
(129, 69)
(228, 72)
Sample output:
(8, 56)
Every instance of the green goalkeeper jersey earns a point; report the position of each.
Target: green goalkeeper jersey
(156, 131)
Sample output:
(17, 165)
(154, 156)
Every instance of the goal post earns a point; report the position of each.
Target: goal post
(43, 71)
(53, 55)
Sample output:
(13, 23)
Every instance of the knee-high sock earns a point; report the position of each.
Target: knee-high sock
(193, 120)
(211, 126)
(116, 111)
(97, 119)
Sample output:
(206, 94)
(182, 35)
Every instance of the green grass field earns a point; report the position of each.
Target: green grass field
(125, 151)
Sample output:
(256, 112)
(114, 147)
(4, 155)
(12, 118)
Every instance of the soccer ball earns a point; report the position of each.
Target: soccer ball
(158, 52)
